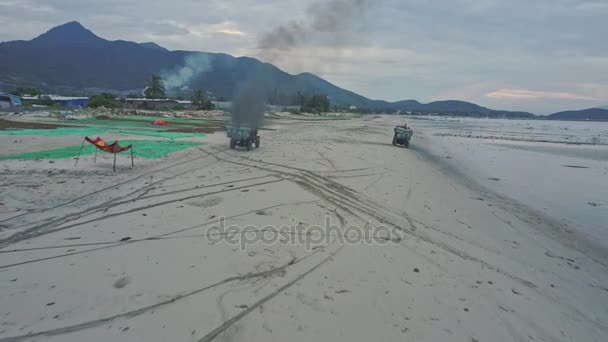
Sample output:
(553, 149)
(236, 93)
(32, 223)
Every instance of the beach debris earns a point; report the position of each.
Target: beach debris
(551, 255)
(125, 239)
(416, 270)
(515, 292)
(593, 204)
(576, 166)
(50, 304)
(122, 282)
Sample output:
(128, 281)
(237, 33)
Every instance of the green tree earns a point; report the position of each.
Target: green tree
(315, 103)
(106, 100)
(201, 101)
(44, 101)
(155, 88)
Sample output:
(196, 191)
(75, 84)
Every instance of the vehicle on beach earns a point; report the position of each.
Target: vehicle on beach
(403, 135)
(244, 137)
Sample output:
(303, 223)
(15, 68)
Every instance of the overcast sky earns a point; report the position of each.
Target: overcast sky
(534, 55)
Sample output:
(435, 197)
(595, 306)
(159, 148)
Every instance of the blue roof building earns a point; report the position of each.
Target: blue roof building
(9, 100)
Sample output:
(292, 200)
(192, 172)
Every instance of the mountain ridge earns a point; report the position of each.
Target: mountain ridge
(76, 59)
(591, 114)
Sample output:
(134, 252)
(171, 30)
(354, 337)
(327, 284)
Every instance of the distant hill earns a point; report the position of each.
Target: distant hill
(71, 58)
(153, 46)
(594, 114)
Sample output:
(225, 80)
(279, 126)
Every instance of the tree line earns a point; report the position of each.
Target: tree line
(155, 89)
(310, 103)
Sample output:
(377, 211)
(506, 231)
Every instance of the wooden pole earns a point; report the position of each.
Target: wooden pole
(114, 162)
(132, 162)
(81, 146)
(95, 159)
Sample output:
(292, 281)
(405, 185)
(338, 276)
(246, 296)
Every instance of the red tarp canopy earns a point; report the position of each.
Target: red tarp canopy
(160, 123)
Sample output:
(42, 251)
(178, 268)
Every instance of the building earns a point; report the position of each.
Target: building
(156, 103)
(66, 101)
(9, 101)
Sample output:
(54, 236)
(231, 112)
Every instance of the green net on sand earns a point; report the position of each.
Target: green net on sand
(57, 132)
(167, 135)
(96, 131)
(149, 149)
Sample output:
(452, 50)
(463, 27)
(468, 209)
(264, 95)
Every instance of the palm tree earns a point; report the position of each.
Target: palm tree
(201, 101)
(155, 88)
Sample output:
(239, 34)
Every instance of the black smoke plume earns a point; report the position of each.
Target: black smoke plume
(330, 22)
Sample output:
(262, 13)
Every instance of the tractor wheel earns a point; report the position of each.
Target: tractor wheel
(248, 145)
(407, 144)
(394, 141)
(257, 142)
(232, 143)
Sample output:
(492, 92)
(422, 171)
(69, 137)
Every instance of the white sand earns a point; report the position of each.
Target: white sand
(490, 268)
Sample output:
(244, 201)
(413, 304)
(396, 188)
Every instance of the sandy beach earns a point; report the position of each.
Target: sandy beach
(483, 230)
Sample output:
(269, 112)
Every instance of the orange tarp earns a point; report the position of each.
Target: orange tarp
(108, 148)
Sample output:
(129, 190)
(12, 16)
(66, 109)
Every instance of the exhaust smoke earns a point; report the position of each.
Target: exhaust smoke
(332, 23)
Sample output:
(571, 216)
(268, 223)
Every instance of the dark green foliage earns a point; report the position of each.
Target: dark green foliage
(44, 101)
(155, 88)
(201, 101)
(106, 100)
(315, 104)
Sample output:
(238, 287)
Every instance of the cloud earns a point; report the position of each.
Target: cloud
(523, 94)
(226, 28)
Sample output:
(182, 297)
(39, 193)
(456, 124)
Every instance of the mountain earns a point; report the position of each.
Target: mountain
(70, 32)
(71, 58)
(152, 45)
(594, 114)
